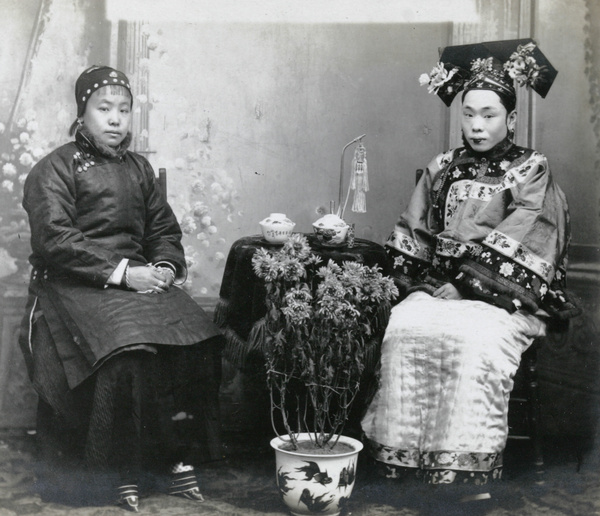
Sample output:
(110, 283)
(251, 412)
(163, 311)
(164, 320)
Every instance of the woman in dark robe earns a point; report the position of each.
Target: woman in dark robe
(118, 353)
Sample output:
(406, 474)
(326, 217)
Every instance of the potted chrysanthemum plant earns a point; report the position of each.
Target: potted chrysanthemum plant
(322, 322)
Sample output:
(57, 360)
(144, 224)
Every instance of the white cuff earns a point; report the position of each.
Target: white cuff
(117, 275)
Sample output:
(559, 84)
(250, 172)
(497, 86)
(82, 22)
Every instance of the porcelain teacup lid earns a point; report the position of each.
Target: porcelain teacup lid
(330, 221)
(277, 218)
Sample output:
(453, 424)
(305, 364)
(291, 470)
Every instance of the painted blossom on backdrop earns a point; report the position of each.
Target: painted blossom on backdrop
(205, 204)
(211, 205)
(200, 190)
(20, 150)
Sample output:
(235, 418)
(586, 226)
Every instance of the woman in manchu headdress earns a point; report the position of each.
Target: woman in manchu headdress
(480, 252)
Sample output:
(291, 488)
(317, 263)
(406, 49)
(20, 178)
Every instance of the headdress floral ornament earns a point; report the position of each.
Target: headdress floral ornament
(480, 65)
(493, 65)
(437, 78)
(523, 68)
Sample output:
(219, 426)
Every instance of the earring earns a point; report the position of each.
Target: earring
(511, 135)
(79, 122)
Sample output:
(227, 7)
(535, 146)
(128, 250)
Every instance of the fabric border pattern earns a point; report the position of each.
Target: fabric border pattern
(517, 252)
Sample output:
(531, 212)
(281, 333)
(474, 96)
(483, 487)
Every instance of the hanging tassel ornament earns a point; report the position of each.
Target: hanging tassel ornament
(360, 179)
(360, 163)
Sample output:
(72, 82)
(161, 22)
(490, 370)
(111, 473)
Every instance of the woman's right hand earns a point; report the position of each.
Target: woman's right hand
(448, 291)
(147, 279)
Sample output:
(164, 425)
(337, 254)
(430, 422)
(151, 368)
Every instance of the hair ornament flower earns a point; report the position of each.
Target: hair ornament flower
(523, 67)
(482, 65)
(437, 78)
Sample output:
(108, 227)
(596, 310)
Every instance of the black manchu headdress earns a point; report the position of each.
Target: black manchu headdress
(492, 65)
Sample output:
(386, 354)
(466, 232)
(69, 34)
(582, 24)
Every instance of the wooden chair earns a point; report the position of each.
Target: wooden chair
(162, 180)
(524, 414)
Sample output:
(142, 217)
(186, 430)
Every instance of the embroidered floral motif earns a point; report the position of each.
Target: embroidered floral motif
(467, 459)
(446, 458)
(506, 269)
(442, 477)
(407, 456)
(443, 459)
(451, 207)
(408, 246)
(398, 261)
(404, 243)
(456, 249)
(462, 460)
(445, 159)
(477, 286)
(511, 178)
(441, 467)
(405, 264)
(560, 278)
(446, 476)
(497, 239)
(499, 264)
(458, 192)
(520, 254)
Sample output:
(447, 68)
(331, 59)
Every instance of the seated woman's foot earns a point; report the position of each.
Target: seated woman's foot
(192, 494)
(184, 483)
(127, 497)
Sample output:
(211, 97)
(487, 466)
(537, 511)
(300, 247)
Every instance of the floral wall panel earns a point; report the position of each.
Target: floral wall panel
(42, 110)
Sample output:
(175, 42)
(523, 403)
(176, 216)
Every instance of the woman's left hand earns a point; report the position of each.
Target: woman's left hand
(447, 291)
(169, 277)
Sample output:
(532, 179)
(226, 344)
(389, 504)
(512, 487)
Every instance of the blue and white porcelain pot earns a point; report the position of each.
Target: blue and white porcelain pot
(318, 481)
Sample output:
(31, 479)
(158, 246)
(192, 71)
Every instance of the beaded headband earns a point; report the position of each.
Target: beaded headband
(94, 78)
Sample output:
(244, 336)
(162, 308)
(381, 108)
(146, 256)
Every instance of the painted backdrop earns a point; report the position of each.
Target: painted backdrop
(250, 118)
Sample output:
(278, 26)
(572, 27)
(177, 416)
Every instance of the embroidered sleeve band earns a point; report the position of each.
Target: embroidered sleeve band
(408, 245)
(499, 280)
(516, 251)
